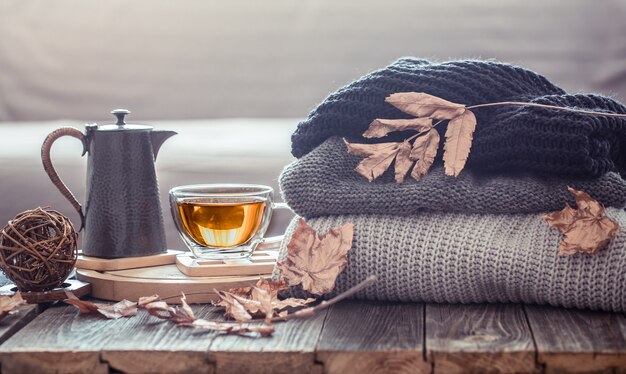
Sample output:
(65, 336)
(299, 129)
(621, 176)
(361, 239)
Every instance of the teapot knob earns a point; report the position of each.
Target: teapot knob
(120, 114)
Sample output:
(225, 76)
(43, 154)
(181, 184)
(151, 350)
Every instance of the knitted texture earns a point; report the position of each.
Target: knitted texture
(507, 138)
(323, 182)
(472, 258)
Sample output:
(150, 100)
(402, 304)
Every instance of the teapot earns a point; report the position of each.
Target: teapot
(122, 215)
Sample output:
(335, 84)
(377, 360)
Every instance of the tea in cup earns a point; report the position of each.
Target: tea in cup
(223, 221)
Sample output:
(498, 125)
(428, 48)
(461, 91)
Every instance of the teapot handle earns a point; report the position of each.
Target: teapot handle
(54, 177)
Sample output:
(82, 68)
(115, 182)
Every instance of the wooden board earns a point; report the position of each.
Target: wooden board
(105, 264)
(166, 281)
(260, 262)
(571, 340)
(290, 350)
(149, 345)
(59, 340)
(365, 337)
(479, 338)
(12, 323)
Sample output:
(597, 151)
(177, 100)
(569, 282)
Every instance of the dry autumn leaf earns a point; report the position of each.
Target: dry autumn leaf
(261, 300)
(378, 157)
(124, 308)
(422, 104)
(85, 307)
(585, 229)
(230, 328)
(381, 127)
(158, 309)
(315, 261)
(147, 300)
(458, 142)
(403, 162)
(232, 307)
(183, 314)
(9, 304)
(423, 153)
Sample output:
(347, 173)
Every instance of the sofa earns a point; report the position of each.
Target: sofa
(233, 77)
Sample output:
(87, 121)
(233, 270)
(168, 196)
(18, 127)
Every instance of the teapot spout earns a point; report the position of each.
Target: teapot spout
(158, 138)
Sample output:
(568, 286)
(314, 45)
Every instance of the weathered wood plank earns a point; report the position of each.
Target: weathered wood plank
(290, 350)
(479, 338)
(12, 323)
(571, 340)
(365, 337)
(58, 340)
(150, 345)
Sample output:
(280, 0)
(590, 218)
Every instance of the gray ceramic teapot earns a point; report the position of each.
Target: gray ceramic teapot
(122, 215)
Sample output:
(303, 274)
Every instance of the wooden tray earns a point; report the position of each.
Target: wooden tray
(165, 280)
(103, 264)
(262, 261)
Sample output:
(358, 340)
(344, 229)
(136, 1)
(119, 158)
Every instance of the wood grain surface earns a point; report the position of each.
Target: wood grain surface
(578, 341)
(13, 323)
(290, 350)
(350, 337)
(479, 338)
(365, 337)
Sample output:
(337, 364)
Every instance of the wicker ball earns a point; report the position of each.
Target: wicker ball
(38, 249)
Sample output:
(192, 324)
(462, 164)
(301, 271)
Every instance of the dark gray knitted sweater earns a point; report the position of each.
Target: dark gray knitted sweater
(323, 182)
(507, 138)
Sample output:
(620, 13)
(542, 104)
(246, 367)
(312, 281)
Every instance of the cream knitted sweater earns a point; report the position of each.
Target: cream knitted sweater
(465, 258)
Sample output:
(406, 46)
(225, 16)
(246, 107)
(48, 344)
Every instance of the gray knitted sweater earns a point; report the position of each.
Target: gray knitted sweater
(323, 182)
(464, 258)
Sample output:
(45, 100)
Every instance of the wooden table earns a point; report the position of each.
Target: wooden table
(350, 337)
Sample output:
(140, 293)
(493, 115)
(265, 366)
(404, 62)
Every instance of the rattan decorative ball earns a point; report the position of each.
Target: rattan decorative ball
(38, 249)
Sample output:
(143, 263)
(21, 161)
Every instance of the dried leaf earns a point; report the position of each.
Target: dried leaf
(213, 325)
(315, 261)
(585, 229)
(561, 219)
(588, 235)
(262, 330)
(422, 104)
(232, 307)
(265, 302)
(424, 153)
(380, 157)
(9, 304)
(183, 314)
(260, 300)
(381, 127)
(124, 308)
(291, 303)
(147, 300)
(458, 142)
(159, 309)
(586, 203)
(85, 307)
(365, 150)
(234, 328)
(271, 286)
(403, 162)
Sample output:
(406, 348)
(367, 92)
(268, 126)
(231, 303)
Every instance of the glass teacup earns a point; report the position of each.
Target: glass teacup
(223, 221)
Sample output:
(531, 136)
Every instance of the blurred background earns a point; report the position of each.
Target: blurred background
(233, 77)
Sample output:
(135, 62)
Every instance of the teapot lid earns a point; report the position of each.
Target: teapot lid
(120, 125)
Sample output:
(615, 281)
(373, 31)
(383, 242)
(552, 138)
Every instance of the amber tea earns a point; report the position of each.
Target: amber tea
(221, 224)
(224, 221)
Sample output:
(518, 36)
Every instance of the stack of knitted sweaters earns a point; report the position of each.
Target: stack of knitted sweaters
(478, 237)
